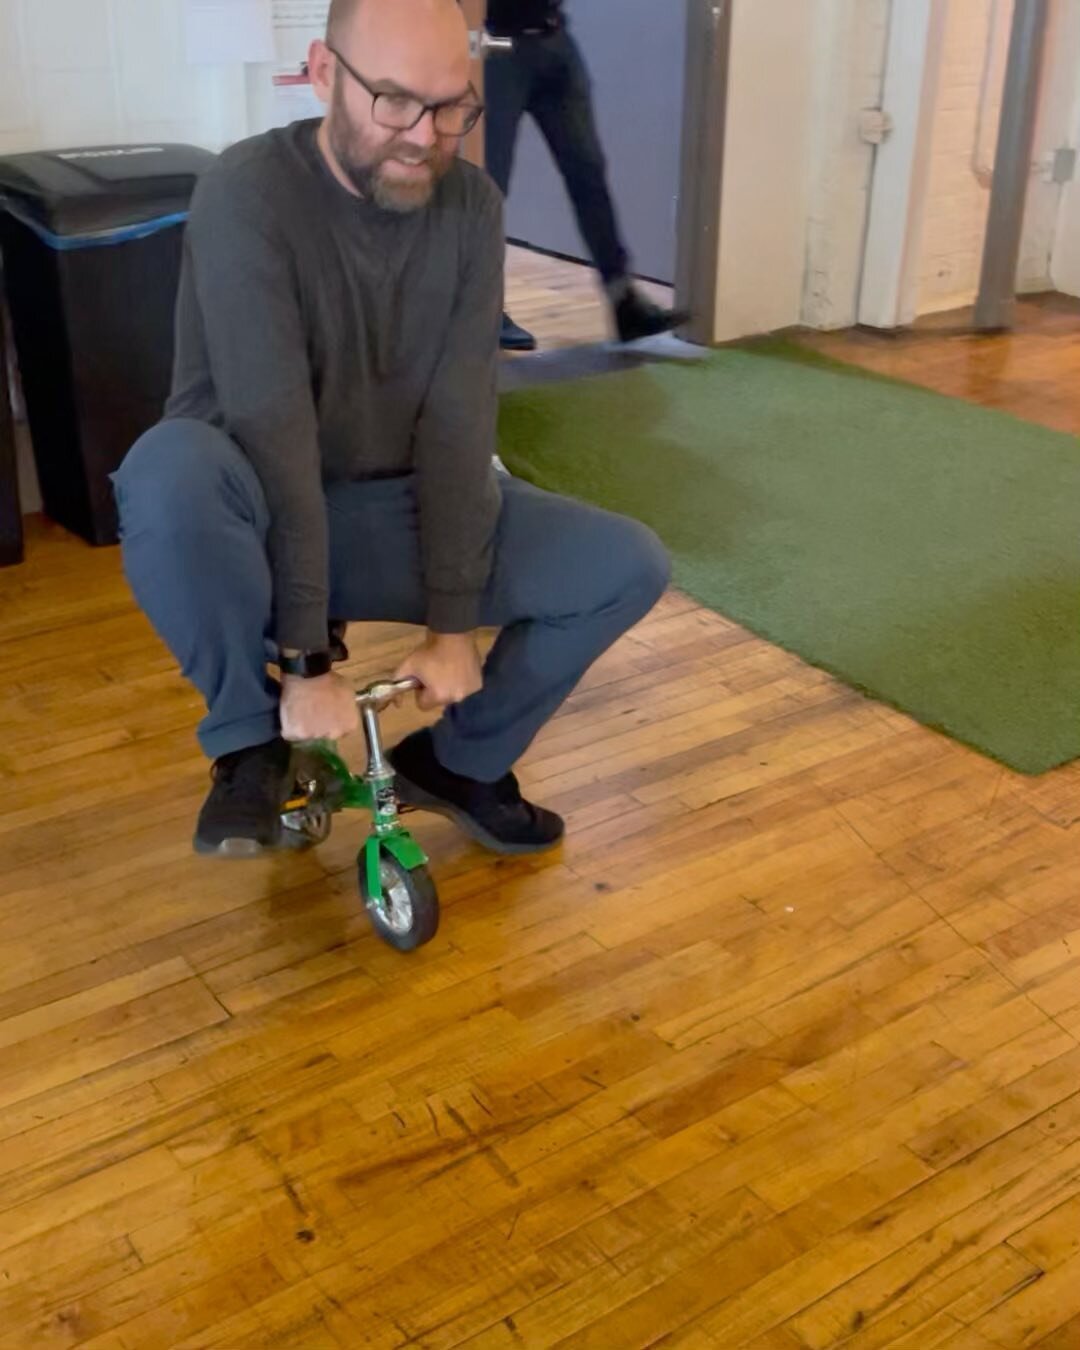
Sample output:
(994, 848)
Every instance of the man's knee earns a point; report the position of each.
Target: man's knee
(630, 566)
(644, 563)
(179, 474)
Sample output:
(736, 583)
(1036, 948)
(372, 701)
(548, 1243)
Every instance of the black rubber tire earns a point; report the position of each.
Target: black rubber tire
(421, 923)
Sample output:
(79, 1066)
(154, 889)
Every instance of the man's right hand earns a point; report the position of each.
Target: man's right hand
(323, 709)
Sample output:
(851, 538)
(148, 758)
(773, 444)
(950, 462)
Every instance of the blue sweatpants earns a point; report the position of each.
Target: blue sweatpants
(566, 582)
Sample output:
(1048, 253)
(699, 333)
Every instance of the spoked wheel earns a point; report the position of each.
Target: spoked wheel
(407, 916)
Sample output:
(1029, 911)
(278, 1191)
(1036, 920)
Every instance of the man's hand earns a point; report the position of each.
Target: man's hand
(448, 666)
(323, 709)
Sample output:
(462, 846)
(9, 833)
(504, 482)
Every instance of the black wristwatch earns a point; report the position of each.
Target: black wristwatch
(308, 665)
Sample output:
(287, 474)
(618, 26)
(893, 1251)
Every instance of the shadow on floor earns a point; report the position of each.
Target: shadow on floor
(602, 358)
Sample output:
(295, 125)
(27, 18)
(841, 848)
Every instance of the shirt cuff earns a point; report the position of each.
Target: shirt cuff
(450, 612)
(303, 630)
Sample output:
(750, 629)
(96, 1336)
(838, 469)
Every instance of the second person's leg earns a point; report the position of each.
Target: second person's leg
(507, 85)
(562, 104)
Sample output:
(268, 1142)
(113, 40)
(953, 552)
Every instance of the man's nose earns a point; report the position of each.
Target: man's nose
(424, 132)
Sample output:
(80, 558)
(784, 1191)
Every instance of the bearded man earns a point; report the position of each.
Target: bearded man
(327, 452)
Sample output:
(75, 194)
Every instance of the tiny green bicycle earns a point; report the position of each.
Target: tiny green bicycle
(395, 882)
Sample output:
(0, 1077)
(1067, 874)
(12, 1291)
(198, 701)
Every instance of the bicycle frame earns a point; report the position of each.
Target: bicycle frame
(373, 791)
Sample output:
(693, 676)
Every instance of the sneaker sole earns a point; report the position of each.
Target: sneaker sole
(411, 795)
(232, 849)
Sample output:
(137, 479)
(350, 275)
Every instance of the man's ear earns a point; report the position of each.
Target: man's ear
(321, 65)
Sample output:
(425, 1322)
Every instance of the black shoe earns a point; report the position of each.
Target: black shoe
(514, 338)
(242, 815)
(636, 317)
(494, 814)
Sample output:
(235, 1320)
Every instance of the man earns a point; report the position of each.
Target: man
(545, 75)
(327, 450)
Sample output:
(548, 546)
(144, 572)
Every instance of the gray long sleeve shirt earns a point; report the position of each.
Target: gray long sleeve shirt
(337, 341)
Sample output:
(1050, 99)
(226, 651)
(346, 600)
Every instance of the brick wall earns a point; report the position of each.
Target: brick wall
(957, 201)
(1052, 220)
(82, 72)
(849, 63)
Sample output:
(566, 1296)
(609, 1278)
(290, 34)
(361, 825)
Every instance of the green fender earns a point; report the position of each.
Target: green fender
(401, 846)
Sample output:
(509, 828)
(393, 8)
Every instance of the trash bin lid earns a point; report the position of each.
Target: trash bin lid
(97, 189)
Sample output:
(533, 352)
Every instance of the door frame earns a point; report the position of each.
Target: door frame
(704, 123)
(473, 146)
(1064, 264)
(701, 173)
(888, 289)
(1065, 256)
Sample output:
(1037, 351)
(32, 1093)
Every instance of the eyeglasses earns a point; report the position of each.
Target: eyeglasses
(401, 111)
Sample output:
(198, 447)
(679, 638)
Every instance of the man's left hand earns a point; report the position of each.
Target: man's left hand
(448, 666)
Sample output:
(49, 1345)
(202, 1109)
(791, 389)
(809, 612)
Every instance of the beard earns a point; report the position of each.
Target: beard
(365, 162)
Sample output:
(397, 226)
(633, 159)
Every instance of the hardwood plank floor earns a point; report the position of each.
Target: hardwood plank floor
(1033, 373)
(782, 1050)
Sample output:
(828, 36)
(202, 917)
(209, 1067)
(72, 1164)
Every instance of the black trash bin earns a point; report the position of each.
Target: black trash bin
(11, 536)
(91, 244)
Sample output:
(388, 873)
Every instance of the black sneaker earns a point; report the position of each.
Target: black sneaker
(514, 338)
(494, 814)
(242, 815)
(636, 317)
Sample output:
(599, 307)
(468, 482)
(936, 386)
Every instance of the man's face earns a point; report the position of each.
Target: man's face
(397, 170)
(398, 55)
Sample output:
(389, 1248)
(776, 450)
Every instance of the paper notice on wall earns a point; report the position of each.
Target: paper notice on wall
(294, 99)
(218, 32)
(297, 23)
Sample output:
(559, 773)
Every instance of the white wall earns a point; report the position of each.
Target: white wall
(964, 144)
(1050, 252)
(849, 66)
(965, 127)
(85, 72)
(766, 174)
(1064, 270)
(1065, 262)
(796, 172)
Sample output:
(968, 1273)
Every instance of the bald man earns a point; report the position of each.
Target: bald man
(327, 451)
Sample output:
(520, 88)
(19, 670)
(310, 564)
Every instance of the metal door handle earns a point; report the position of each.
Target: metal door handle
(482, 44)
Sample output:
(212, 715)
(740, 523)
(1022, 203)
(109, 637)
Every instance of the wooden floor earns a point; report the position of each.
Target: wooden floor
(1035, 375)
(782, 1050)
(561, 303)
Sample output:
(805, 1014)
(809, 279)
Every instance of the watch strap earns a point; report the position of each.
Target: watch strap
(307, 665)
